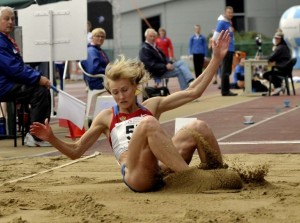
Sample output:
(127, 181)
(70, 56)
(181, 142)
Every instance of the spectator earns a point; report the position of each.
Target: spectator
(165, 44)
(237, 61)
(21, 82)
(239, 74)
(159, 66)
(224, 23)
(273, 39)
(279, 58)
(97, 59)
(198, 49)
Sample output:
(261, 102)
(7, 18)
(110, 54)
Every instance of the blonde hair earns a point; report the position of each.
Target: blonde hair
(122, 68)
(97, 31)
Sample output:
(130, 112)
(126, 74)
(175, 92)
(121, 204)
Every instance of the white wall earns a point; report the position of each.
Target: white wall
(179, 17)
(264, 16)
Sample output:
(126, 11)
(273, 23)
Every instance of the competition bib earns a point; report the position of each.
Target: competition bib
(122, 133)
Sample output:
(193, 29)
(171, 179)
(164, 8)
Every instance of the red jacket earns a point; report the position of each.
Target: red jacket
(165, 44)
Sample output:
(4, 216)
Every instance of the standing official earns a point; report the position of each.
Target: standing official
(224, 23)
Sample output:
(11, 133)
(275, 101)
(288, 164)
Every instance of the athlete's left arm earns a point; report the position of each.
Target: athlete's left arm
(198, 86)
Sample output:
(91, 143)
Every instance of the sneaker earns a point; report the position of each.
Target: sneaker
(31, 142)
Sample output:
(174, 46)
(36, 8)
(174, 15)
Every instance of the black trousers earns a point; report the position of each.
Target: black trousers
(276, 81)
(38, 97)
(225, 72)
(198, 60)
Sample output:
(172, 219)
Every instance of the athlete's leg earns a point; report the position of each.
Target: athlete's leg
(150, 143)
(198, 135)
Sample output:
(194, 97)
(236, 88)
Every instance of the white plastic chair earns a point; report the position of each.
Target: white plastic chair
(92, 94)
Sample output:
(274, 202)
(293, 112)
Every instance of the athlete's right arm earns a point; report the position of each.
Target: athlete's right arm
(76, 149)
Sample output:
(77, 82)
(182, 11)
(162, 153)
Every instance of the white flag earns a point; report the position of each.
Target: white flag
(71, 108)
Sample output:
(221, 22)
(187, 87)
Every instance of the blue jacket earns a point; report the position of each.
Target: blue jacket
(238, 70)
(12, 67)
(197, 45)
(95, 63)
(224, 24)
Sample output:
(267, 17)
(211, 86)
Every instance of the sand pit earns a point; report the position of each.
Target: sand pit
(92, 191)
(197, 181)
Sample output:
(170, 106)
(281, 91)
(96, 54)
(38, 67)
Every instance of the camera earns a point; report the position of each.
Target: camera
(258, 40)
(259, 45)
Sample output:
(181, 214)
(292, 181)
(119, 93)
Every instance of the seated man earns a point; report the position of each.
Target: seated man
(20, 82)
(159, 66)
(97, 59)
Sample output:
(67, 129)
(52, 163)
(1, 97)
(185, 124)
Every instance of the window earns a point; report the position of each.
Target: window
(154, 22)
(238, 20)
(238, 5)
(238, 23)
(100, 15)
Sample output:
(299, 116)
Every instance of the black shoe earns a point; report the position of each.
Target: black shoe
(230, 94)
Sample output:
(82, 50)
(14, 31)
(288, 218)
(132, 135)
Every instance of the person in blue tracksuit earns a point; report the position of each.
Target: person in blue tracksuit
(198, 49)
(224, 23)
(20, 82)
(97, 59)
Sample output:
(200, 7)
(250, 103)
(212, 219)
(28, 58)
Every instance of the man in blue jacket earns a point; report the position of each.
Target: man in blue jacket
(224, 23)
(21, 82)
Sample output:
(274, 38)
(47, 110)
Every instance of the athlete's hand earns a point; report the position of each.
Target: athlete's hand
(42, 131)
(220, 46)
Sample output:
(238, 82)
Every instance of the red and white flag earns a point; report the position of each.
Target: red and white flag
(70, 109)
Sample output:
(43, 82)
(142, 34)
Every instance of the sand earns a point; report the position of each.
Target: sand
(51, 189)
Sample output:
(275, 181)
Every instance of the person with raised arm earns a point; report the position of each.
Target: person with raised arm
(140, 144)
